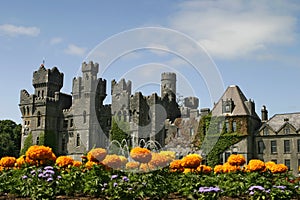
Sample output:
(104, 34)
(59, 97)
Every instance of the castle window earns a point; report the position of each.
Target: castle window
(298, 145)
(38, 94)
(287, 146)
(78, 140)
(287, 163)
(286, 130)
(27, 110)
(71, 123)
(260, 145)
(266, 131)
(273, 146)
(39, 119)
(191, 131)
(71, 134)
(226, 126)
(234, 126)
(43, 93)
(108, 122)
(65, 125)
(84, 117)
(227, 106)
(37, 140)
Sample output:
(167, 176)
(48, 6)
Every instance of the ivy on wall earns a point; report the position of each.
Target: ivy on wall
(214, 141)
(28, 142)
(119, 130)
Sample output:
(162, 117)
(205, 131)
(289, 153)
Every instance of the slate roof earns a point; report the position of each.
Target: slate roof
(239, 99)
(279, 120)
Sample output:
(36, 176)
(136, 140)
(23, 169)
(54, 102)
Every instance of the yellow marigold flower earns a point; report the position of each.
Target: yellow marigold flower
(191, 161)
(89, 164)
(38, 153)
(20, 161)
(8, 161)
(132, 165)
(255, 165)
(269, 165)
(204, 169)
(64, 161)
(141, 155)
(77, 163)
(144, 167)
(159, 160)
(230, 168)
(236, 159)
(176, 166)
(218, 169)
(188, 170)
(96, 155)
(112, 161)
(279, 168)
(124, 160)
(169, 154)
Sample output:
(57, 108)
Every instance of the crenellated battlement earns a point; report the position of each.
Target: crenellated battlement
(44, 76)
(121, 86)
(90, 67)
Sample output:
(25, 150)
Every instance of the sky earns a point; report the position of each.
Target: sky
(210, 44)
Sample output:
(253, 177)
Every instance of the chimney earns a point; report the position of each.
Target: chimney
(264, 114)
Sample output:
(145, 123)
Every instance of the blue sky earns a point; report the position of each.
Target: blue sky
(253, 44)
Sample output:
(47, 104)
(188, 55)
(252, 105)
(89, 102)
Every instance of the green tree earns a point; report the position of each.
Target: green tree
(119, 130)
(10, 138)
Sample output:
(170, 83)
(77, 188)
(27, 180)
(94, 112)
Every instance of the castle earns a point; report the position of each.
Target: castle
(79, 122)
(74, 124)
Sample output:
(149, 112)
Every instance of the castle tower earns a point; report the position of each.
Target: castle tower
(42, 111)
(168, 83)
(46, 82)
(89, 93)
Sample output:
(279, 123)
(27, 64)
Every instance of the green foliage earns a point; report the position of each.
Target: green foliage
(42, 138)
(28, 142)
(10, 138)
(51, 140)
(119, 130)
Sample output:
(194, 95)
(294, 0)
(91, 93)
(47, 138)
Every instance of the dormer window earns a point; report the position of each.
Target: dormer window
(266, 131)
(227, 106)
(286, 130)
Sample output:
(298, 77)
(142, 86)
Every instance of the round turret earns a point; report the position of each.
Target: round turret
(168, 83)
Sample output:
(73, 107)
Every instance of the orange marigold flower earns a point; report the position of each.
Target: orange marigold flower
(90, 164)
(279, 168)
(96, 155)
(77, 163)
(204, 169)
(176, 166)
(191, 161)
(20, 161)
(269, 165)
(8, 161)
(230, 168)
(255, 165)
(140, 154)
(236, 159)
(112, 161)
(188, 170)
(159, 160)
(218, 169)
(132, 165)
(64, 161)
(37, 152)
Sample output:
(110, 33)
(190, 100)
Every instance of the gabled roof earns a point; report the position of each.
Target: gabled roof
(234, 93)
(279, 120)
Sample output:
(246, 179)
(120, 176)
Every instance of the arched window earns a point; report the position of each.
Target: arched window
(39, 119)
(78, 140)
(38, 93)
(84, 117)
(27, 110)
(43, 93)
(234, 126)
(37, 140)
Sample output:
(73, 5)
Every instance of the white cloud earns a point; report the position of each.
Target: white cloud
(72, 49)
(230, 29)
(12, 30)
(56, 40)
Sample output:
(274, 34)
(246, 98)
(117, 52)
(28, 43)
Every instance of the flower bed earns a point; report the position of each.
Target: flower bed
(105, 176)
